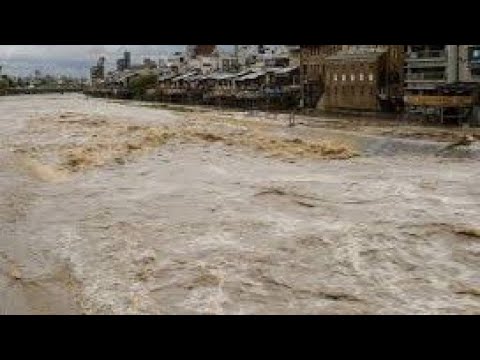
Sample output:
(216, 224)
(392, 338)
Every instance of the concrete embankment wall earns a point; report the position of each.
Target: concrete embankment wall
(374, 145)
(109, 94)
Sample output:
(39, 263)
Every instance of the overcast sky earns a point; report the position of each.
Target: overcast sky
(72, 59)
(79, 52)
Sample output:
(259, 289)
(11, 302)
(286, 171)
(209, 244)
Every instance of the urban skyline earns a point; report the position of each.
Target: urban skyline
(74, 60)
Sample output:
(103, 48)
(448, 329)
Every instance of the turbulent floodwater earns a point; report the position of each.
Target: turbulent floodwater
(107, 208)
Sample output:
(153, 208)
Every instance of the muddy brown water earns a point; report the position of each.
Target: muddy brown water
(205, 228)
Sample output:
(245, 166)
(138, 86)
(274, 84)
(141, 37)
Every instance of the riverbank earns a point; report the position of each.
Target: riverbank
(186, 102)
(368, 125)
(36, 91)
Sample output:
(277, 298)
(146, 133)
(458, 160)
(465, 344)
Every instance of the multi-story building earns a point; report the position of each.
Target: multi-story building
(97, 72)
(229, 63)
(192, 51)
(203, 64)
(469, 63)
(127, 56)
(124, 63)
(175, 63)
(352, 81)
(248, 50)
(364, 77)
(312, 62)
(442, 80)
(255, 55)
(427, 67)
(121, 65)
(394, 65)
(293, 54)
(149, 63)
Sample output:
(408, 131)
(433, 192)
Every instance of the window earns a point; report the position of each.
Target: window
(335, 77)
(353, 90)
(344, 77)
(370, 77)
(361, 90)
(352, 77)
(362, 77)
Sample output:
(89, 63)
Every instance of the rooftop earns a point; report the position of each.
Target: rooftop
(358, 55)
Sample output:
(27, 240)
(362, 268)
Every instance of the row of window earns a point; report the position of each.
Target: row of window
(343, 77)
(332, 49)
(315, 69)
(350, 90)
(324, 49)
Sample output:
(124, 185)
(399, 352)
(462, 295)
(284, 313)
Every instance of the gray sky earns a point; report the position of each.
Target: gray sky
(80, 52)
(72, 59)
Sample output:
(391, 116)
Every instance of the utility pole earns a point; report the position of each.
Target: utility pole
(458, 62)
(389, 56)
(302, 79)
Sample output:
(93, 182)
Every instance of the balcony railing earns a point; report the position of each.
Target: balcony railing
(474, 64)
(428, 54)
(425, 76)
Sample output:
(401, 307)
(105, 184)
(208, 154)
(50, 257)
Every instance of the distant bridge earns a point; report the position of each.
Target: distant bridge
(21, 91)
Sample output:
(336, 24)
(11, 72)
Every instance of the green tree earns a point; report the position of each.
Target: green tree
(139, 85)
(3, 83)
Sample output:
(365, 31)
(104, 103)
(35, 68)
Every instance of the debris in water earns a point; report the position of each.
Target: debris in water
(43, 172)
(272, 191)
(466, 140)
(305, 204)
(471, 232)
(209, 137)
(14, 272)
(120, 161)
(466, 288)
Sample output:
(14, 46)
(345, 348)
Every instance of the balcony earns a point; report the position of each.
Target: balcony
(421, 86)
(422, 59)
(427, 54)
(474, 64)
(440, 76)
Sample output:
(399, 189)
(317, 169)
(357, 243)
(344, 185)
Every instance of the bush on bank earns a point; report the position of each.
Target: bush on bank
(139, 86)
(4, 83)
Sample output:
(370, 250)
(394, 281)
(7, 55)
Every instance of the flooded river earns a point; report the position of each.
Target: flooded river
(118, 208)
